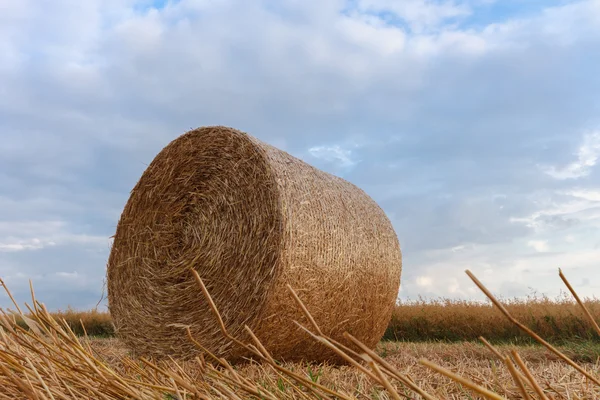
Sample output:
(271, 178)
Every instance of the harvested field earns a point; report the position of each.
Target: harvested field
(471, 360)
(50, 361)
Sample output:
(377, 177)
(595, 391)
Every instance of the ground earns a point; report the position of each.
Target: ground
(469, 359)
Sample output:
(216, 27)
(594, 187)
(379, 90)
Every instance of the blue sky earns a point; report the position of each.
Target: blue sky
(475, 124)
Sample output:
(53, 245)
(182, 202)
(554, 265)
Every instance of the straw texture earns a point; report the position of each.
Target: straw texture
(250, 219)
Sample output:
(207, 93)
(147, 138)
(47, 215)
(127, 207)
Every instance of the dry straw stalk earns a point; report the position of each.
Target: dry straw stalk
(250, 219)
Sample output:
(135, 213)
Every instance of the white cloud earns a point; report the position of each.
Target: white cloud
(592, 195)
(449, 42)
(30, 228)
(36, 235)
(20, 277)
(562, 208)
(372, 34)
(454, 286)
(424, 281)
(419, 15)
(587, 157)
(335, 154)
(68, 275)
(541, 246)
(12, 245)
(142, 34)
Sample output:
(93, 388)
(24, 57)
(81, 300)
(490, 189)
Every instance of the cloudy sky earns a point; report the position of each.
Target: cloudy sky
(475, 124)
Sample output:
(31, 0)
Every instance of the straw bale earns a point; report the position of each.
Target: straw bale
(249, 218)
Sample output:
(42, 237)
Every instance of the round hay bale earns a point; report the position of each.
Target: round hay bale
(250, 219)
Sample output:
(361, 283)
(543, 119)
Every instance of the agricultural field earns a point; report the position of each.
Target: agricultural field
(431, 349)
(470, 359)
(558, 320)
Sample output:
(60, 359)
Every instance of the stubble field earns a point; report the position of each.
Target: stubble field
(431, 349)
(443, 332)
(470, 360)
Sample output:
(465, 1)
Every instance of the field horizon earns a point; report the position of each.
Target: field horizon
(559, 320)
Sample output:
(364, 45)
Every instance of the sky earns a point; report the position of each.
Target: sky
(474, 124)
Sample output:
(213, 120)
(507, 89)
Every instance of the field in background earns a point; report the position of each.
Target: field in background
(558, 320)
(96, 323)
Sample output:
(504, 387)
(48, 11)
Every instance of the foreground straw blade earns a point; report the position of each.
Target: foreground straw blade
(529, 375)
(500, 356)
(515, 374)
(401, 377)
(585, 309)
(471, 385)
